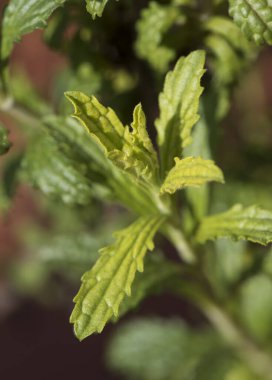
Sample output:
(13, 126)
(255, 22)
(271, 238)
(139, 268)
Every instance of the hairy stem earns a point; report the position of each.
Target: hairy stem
(176, 237)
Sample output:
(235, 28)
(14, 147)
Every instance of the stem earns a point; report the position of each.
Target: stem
(178, 240)
(19, 114)
(258, 361)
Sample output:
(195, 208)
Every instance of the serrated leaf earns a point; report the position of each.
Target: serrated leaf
(179, 103)
(251, 223)
(22, 17)
(231, 54)
(254, 17)
(5, 144)
(96, 7)
(55, 174)
(198, 198)
(191, 171)
(130, 150)
(77, 144)
(105, 286)
(154, 22)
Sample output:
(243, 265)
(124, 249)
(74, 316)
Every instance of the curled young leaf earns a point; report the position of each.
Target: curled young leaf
(129, 149)
(191, 171)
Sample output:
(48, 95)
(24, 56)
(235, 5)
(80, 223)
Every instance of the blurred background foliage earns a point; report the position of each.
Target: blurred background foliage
(58, 208)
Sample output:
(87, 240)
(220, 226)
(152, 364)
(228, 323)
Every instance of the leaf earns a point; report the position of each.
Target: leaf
(251, 223)
(96, 7)
(231, 54)
(191, 171)
(22, 17)
(105, 286)
(55, 174)
(154, 22)
(254, 17)
(255, 306)
(77, 144)
(163, 349)
(179, 103)
(5, 144)
(198, 197)
(130, 150)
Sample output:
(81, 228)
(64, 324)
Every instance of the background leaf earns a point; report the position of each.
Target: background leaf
(153, 23)
(254, 17)
(22, 17)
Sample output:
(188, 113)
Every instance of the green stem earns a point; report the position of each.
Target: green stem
(257, 360)
(177, 238)
(19, 114)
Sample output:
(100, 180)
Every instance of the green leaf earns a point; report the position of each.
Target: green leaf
(251, 223)
(254, 17)
(96, 7)
(154, 22)
(191, 171)
(77, 144)
(230, 55)
(105, 286)
(198, 197)
(5, 144)
(22, 17)
(255, 306)
(55, 174)
(179, 103)
(130, 150)
(163, 349)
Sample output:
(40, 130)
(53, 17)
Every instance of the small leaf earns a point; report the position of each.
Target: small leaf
(130, 150)
(104, 287)
(254, 17)
(179, 103)
(96, 7)
(191, 171)
(251, 223)
(22, 17)
(154, 22)
(5, 144)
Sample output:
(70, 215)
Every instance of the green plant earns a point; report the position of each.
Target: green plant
(97, 159)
